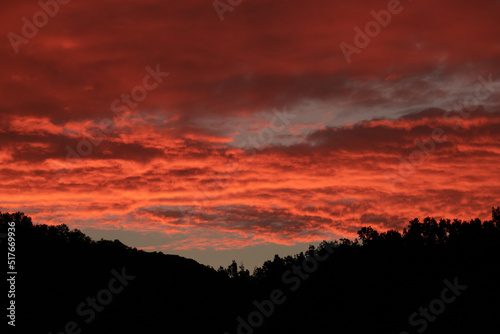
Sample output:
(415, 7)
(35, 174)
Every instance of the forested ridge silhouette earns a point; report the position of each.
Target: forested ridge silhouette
(372, 284)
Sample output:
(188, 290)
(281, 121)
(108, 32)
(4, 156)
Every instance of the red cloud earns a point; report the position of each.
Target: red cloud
(177, 147)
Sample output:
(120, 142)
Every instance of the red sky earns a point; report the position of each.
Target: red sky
(263, 134)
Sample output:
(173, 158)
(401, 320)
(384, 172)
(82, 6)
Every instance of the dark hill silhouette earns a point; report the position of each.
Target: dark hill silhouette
(371, 285)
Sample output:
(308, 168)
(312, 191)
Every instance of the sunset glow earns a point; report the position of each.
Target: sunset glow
(158, 119)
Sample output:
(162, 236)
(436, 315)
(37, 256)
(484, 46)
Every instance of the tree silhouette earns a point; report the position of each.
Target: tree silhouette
(372, 286)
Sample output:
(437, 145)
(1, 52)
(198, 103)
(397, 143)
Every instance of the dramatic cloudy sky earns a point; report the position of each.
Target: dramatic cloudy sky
(278, 124)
